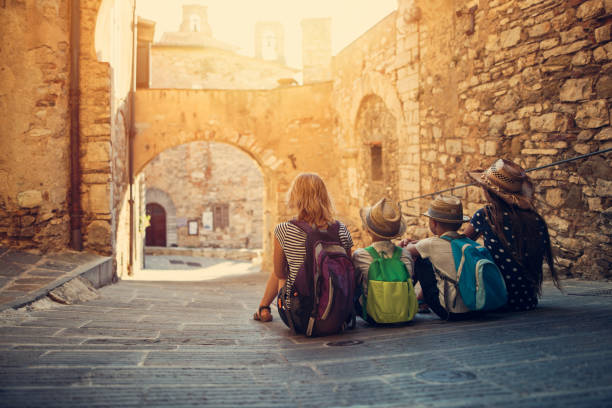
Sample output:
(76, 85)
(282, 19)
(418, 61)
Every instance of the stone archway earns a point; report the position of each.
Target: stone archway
(285, 131)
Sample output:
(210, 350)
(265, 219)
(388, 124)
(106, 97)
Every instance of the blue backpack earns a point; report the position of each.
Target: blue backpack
(479, 280)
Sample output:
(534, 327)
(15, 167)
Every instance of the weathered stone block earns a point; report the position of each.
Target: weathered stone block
(98, 234)
(593, 114)
(582, 148)
(549, 122)
(605, 134)
(603, 88)
(539, 29)
(453, 146)
(603, 53)
(603, 33)
(515, 127)
(29, 199)
(98, 198)
(576, 33)
(557, 224)
(97, 152)
(603, 188)
(511, 37)
(594, 204)
(565, 49)
(539, 151)
(490, 148)
(576, 89)
(590, 9)
(507, 102)
(581, 58)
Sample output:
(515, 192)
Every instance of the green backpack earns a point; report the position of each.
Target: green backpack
(391, 297)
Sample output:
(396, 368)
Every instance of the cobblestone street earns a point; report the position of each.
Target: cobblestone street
(194, 344)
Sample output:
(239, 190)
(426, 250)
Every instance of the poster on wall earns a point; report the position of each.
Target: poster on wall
(193, 227)
(207, 220)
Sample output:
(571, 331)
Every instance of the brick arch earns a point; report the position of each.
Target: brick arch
(155, 195)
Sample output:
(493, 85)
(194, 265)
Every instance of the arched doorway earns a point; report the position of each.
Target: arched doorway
(155, 234)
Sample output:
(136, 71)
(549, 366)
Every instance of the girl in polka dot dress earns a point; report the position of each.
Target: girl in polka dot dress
(512, 230)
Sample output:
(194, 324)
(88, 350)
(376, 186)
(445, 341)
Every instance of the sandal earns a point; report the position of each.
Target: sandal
(266, 317)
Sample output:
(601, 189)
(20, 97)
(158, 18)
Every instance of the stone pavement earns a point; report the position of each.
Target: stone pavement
(176, 344)
(26, 276)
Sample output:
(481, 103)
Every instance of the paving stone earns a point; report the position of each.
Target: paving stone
(22, 288)
(11, 269)
(46, 272)
(152, 376)
(157, 352)
(78, 397)
(3, 251)
(37, 341)
(54, 322)
(33, 281)
(91, 358)
(21, 257)
(212, 356)
(19, 358)
(47, 376)
(58, 266)
(27, 331)
(109, 332)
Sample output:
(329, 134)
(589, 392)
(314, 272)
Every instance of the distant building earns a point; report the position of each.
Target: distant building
(192, 58)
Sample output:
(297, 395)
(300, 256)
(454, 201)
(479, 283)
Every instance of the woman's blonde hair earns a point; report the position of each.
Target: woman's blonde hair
(308, 195)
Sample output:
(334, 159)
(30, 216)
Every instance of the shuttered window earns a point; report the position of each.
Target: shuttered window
(220, 216)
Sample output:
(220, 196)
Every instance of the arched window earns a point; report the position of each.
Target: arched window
(194, 23)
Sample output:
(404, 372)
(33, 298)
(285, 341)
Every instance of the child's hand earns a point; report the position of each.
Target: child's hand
(404, 242)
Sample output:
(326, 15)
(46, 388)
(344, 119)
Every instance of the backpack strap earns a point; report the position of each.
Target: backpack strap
(373, 253)
(451, 236)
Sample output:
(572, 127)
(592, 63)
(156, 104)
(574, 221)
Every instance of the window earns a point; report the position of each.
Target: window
(194, 23)
(376, 161)
(268, 51)
(220, 216)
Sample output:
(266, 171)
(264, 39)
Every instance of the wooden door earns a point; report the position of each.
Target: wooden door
(155, 234)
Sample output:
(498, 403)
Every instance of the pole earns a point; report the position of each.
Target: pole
(583, 156)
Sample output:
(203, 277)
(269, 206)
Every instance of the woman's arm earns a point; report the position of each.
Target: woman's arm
(470, 232)
(279, 260)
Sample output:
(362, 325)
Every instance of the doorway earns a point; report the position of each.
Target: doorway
(155, 234)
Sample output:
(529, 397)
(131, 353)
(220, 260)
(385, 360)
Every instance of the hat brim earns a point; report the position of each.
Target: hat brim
(464, 219)
(363, 213)
(522, 200)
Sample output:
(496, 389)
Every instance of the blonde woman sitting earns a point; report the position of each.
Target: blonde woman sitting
(309, 198)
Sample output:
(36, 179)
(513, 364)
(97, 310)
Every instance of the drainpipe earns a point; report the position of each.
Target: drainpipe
(131, 134)
(76, 239)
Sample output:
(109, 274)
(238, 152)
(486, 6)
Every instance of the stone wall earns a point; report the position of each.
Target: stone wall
(198, 175)
(35, 135)
(529, 81)
(526, 80)
(209, 68)
(107, 42)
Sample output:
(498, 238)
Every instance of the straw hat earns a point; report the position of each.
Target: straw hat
(508, 181)
(446, 209)
(384, 219)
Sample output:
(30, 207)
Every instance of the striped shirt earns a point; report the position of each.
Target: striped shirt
(293, 242)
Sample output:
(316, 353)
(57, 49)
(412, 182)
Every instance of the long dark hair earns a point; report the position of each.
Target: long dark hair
(527, 246)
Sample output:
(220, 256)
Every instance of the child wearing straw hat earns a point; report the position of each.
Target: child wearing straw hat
(512, 230)
(434, 259)
(383, 222)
